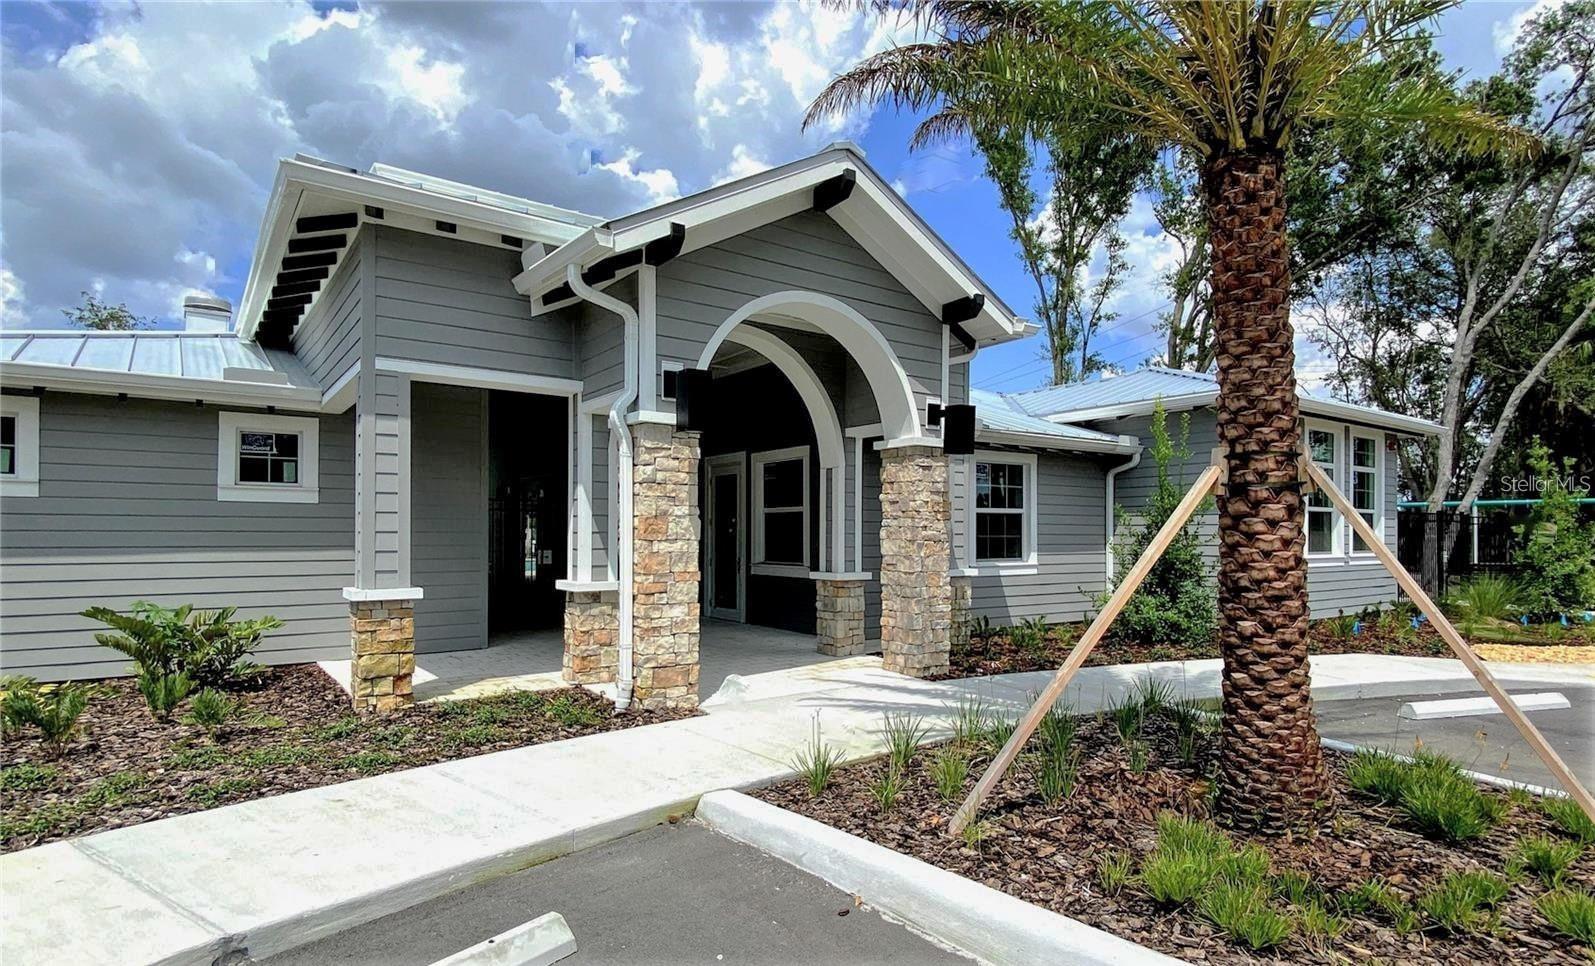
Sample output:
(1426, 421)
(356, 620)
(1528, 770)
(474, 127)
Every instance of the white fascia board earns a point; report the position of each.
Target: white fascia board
(549, 271)
(152, 386)
(1370, 417)
(1139, 407)
(1122, 445)
(295, 177)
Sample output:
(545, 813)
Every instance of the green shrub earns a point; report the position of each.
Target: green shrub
(886, 788)
(211, 710)
(54, 709)
(1487, 597)
(1463, 901)
(903, 734)
(1128, 717)
(969, 721)
(27, 778)
(948, 770)
(816, 763)
(1057, 730)
(1030, 636)
(1572, 820)
(1243, 913)
(1570, 912)
(1177, 603)
(1544, 857)
(1342, 627)
(209, 647)
(1113, 872)
(1447, 806)
(996, 732)
(977, 832)
(1557, 557)
(1315, 921)
(1139, 755)
(163, 692)
(1188, 856)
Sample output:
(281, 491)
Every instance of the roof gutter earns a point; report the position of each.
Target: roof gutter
(1121, 445)
(1309, 404)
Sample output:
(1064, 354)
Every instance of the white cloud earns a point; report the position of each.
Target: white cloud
(139, 156)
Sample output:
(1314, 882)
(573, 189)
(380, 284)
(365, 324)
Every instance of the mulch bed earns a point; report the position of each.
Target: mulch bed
(296, 732)
(996, 654)
(1049, 855)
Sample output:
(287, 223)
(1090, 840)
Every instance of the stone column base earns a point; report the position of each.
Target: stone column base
(963, 590)
(916, 594)
(839, 616)
(383, 662)
(665, 566)
(592, 637)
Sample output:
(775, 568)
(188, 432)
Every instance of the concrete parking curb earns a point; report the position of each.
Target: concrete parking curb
(989, 925)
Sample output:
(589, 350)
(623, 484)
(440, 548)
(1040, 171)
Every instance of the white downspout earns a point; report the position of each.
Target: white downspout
(624, 525)
(1131, 464)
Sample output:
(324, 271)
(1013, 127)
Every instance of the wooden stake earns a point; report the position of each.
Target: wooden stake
(1460, 647)
(1200, 490)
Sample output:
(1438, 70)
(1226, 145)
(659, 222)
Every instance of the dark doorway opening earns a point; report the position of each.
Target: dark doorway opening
(528, 484)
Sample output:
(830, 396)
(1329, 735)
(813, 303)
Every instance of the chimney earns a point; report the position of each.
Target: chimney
(207, 313)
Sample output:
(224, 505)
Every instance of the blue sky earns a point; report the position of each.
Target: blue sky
(139, 142)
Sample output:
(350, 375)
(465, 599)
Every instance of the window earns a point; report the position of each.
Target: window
(1365, 495)
(781, 512)
(1004, 511)
(1323, 536)
(19, 446)
(267, 459)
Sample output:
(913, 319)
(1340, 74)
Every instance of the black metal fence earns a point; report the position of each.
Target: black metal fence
(1486, 541)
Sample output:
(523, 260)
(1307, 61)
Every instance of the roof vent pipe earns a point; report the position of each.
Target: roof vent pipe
(207, 313)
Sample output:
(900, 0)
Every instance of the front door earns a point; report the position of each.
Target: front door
(726, 509)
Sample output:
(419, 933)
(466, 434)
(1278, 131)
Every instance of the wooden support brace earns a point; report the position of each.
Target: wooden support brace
(1198, 493)
(1460, 647)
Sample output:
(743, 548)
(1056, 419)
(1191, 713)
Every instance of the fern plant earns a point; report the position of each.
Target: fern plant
(211, 710)
(53, 709)
(164, 692)
(209, 647)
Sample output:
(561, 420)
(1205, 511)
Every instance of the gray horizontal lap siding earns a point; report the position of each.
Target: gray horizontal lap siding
(452, 303)
(1071, 564)
(449, 540)
(1334, 585)
(127, 511)
(807, 252)
(328, 340)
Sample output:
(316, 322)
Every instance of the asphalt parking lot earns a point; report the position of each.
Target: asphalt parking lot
(671, 894)
(1485, 743)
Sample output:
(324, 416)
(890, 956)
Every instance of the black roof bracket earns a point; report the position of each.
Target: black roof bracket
(955, 313)
(833, 191)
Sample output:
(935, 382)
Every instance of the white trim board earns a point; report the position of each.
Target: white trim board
(23, 481)
(229, 490)
(479, 378)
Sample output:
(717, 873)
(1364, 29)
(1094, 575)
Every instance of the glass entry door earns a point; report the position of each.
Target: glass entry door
(727, 509)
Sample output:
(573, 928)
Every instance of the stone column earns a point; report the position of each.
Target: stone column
(963, 591)
(665, 566)
(916, 591)
(383, 665)
(839, 616)
(592, 637)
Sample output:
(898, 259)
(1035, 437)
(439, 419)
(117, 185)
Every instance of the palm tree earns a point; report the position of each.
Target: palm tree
(1226, 83)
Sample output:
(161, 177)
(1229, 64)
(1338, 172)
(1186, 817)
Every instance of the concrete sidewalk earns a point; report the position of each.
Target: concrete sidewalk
(267, 875)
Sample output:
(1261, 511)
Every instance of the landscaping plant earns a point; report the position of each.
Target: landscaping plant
(211, 710)
(1557, 557)
(1463, 901)
(949, 769)
(1487, 597)
(207, 647)
(1570, 818)
(54, 709)
(163, 692)
(1546, 857)
(1571, 912)
(887, 787)
(817, 762)
(903, 734)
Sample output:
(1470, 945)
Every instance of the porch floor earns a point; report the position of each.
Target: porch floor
(531, 660)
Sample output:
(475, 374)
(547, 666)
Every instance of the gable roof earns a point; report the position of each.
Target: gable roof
(868, 210)
(213, 366)
(1000, 420)
(1135, 393)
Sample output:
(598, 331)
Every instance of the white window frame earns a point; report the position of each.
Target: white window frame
(1028, 462)
(1337, 526)
(229, 489)
(24, 480)
(1378, 471)
(756, 468)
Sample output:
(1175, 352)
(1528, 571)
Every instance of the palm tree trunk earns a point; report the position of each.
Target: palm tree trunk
(1271, 776)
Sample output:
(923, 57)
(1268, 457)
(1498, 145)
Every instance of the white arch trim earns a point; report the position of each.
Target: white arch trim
(822, 413)
(864, 342)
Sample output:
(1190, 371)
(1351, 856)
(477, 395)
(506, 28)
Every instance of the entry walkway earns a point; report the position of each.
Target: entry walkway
(531, 661)
(270, 874)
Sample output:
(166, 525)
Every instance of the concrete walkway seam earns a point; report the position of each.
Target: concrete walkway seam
(989, 925)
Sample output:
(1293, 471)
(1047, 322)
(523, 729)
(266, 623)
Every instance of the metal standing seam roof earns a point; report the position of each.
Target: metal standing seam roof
(997, 413)
(188, 355)
(1131, 387)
